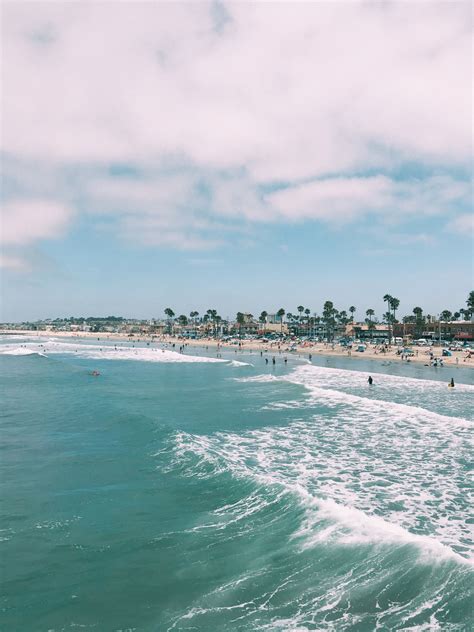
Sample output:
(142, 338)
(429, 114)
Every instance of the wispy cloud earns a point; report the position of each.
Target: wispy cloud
(25, 221)
(13, 262)
(463, 225)
(343, 199)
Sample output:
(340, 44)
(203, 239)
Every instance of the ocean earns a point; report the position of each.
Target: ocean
(189, 492)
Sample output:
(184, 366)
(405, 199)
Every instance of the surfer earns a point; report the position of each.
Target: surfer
(95, 373)
(370, 380)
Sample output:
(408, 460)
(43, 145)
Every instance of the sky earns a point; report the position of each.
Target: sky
(236, 156)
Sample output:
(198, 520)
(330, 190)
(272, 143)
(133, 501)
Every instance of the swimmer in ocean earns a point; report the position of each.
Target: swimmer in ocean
(370, 380)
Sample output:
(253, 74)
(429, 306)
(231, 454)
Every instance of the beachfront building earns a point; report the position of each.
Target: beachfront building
(273, 328)
(311, 328)
(456, 330)
(365, 332)
(249, 326)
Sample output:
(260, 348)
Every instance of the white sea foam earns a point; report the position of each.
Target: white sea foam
(237, 363)
(258, 378)
(352, 526)
(349, 466)
(21, 351)
(369, 474)
(106, 352)
(331, 397)
(325, 376)
(332, 387)
(402, 395)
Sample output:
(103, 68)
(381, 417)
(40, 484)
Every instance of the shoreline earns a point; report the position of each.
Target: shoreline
(320, 349)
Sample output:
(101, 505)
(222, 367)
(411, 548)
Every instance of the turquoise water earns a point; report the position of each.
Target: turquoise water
(215, 496)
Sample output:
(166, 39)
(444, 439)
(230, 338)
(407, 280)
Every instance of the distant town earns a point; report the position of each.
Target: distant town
(331, 324)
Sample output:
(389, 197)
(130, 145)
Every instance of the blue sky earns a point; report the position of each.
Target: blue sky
(235, 156)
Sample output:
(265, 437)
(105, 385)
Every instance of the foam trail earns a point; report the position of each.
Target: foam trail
(259, 378)
(332, 397)
(325, 376)
(239, 363)
(108, 352)
(21, 351)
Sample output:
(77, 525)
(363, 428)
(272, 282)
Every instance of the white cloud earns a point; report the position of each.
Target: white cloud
(299, 97)
(343, 199)
(13, 262)
(288, 93)
(463, 224)
(333, 199)
(26, 221)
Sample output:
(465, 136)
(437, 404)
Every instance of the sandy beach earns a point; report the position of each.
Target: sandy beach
(421, 354)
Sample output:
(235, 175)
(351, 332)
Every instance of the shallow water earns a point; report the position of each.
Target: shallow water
(174, 493)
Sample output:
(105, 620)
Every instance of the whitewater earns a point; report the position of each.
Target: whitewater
(185, 491)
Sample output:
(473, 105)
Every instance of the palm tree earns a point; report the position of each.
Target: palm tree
(352, 310)
(212, 313)
(343, 317)
(240, 320)
(300, 309)
(446, 315)
(170, 314)
(388, 318)
(280, 314)
(470, 302)
(193, 315)
(218, 320)
(369, 313)
(388, 298)
(418, 319)
(263, 320)
(394, 304)
(328, 317)
(307, 312)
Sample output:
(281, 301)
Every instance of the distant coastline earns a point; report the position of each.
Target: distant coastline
(421, 354)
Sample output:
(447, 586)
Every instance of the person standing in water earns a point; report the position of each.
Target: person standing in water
(370, 380)
(451, 384)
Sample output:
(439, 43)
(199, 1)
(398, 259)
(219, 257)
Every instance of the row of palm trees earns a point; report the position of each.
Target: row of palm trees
(331, 317)
(211, 316)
